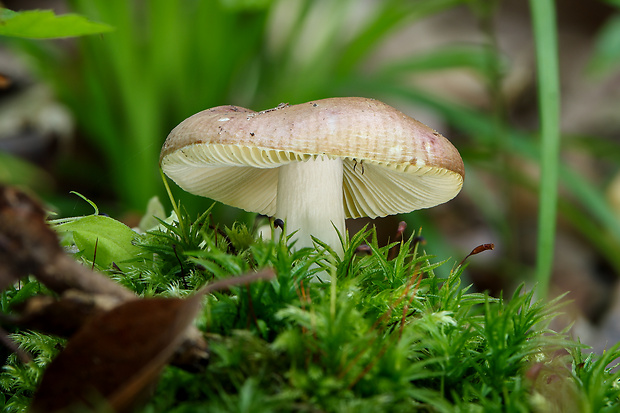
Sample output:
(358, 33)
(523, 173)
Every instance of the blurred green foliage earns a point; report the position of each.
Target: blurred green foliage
(606, 57)
(167, 60)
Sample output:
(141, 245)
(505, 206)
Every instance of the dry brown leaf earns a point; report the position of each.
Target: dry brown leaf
(116, 358)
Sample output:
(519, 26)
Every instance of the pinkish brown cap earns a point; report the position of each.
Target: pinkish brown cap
(391, 162)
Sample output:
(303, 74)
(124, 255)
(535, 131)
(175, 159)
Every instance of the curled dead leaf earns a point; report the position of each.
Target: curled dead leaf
(116, 358)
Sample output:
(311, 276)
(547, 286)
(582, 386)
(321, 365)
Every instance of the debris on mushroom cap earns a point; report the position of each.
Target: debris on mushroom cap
(392, 163)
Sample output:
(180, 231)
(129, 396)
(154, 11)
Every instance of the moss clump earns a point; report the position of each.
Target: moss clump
(386, 334)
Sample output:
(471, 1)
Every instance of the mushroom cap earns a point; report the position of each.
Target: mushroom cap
(392, 163)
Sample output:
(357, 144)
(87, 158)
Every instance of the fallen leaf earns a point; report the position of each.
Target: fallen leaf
(62, 316)
(26, 242)
(116, 358)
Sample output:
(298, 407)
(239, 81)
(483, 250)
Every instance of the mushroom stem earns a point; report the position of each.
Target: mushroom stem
(310, 201)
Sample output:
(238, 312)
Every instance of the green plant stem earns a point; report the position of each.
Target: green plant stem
(175, 206)
(544, 27)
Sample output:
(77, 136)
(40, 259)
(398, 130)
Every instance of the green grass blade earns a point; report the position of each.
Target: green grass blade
(544, 27)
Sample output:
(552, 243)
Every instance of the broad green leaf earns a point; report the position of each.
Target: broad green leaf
(44, 24)
(112, 239)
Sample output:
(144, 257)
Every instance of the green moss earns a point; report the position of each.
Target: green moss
(387, 334)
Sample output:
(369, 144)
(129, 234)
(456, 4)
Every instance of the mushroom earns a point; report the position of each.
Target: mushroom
(314, 164)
